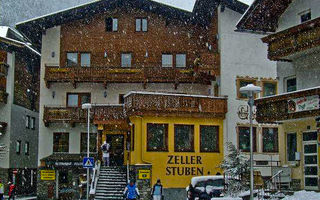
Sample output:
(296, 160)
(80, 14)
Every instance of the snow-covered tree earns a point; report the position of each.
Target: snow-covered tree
(236, 168)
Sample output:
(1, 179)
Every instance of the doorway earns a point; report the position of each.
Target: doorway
(116, 149)
(310, 155)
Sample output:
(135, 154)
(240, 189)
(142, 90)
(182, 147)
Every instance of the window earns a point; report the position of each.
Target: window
(209, 138)
(111, 24)
(244, 139)
(270, 139)
(291, 146)
(183, 138)
(126, 60)
(305, 16)
(157, 137)
(60, 142)
(121, 98)
(72, 59)
(291, 84)
(28, 119)
(269, 88)
(242, 83)
(181, 60)
(141, 24)
(32, 123)
(76, 100)
(26, 148)
(167, 60)
(18, 147)
(93, 142)
(85, 59)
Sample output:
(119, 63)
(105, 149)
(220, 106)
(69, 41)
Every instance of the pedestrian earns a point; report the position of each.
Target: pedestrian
(131, 191)
(106, 153)
(1, 190)
(12, 190)
(157, 191)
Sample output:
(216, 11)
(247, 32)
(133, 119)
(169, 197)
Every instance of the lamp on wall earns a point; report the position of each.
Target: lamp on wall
(105, 94)
(105, 54)
(53, 94)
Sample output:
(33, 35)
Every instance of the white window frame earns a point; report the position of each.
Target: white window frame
(286, 80)
(162, 59)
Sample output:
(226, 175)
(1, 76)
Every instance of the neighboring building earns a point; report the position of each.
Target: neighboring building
(243, 61)
(154, 73)
(294, 28)
(19, 99)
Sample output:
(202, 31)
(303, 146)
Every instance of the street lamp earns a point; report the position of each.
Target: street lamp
(250, 90)
(88, 106)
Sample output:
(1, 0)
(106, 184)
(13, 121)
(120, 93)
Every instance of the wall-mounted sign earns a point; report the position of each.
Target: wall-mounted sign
(243, 112)
(144, 174)
(184, 166)
(48, 175)
(303, 104)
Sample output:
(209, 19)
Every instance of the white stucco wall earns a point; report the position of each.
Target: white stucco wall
(242, 54)
(291, 16)
(5, 111)
(284, 70)
(50, 43)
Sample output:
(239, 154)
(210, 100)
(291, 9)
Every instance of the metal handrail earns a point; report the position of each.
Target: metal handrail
(95, 177)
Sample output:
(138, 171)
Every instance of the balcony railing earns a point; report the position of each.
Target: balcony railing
(164, 104)
(100, 114)
(3, 69)
(293, 105)
(291, 41)
(3, 96)
(204, 75)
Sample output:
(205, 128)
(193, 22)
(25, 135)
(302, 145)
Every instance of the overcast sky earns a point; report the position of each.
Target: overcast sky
(13, 11)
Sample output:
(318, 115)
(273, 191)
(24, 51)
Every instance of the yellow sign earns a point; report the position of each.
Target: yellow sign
(144, 174)
(48, 175)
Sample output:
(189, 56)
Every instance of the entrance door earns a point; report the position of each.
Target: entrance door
(116, 150)
(310, 151)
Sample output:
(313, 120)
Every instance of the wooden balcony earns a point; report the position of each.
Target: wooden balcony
(202, 75)
(165, 104)
(101, 114)
(288, 106)
(3, 96)
(285, 44)
(3, 69)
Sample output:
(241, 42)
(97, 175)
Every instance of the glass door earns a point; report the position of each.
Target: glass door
(310, 151)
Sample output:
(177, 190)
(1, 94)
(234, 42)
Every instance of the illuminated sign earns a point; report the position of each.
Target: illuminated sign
(48, 175)
(184, 166)
(144, 174)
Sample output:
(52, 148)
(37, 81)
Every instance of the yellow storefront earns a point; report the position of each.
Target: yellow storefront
(173, 165)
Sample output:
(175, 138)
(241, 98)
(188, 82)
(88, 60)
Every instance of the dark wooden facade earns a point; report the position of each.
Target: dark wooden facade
(172, 36)
(276, 108)
(3, 82)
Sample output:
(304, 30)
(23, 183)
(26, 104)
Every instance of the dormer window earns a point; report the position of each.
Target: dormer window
(305, 16)
(111, 24)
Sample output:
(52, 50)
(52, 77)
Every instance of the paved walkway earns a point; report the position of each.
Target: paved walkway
(21, 198)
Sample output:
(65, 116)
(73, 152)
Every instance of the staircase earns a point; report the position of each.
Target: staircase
(111, 183)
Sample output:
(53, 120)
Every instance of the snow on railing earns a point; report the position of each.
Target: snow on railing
(95, 177)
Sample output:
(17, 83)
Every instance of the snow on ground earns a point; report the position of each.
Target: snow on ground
(304, 195)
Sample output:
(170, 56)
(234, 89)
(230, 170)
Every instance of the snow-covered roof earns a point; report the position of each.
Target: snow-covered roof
(172, 94)
(198, 179)
(8, 34)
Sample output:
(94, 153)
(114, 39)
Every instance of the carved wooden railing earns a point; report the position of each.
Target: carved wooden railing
(204, 74)
(137, 103)
(299, 38)
(286, 106)
(100, 114)
(3, 95)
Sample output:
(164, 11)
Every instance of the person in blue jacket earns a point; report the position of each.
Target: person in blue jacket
(131, 191)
